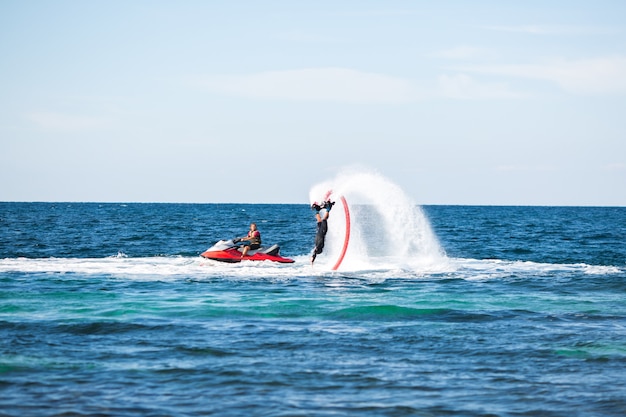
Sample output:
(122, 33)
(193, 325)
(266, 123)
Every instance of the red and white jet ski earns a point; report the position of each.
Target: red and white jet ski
(228, 251)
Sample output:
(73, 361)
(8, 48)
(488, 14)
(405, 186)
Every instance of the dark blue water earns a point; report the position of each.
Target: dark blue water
(107, 309)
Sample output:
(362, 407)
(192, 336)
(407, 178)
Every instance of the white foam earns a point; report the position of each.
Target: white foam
(387, 227)
(176, 268)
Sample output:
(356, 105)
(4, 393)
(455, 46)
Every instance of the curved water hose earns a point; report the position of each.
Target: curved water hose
(346, 240)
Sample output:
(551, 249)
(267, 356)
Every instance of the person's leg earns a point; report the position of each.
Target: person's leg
(246, 248)
(314, 253)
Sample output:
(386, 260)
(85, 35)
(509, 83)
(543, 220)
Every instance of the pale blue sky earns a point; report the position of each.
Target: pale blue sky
(457, 102)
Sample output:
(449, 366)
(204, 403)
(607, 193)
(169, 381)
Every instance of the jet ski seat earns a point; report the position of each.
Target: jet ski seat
(272, 250)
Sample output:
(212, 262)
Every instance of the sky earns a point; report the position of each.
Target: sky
(456, 102)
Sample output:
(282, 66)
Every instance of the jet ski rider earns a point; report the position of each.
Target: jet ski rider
(322, 226)
(251, 241)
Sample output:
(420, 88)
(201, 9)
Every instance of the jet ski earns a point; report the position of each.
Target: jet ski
(229, 251)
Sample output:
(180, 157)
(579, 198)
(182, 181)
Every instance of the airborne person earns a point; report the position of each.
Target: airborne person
(322, 227)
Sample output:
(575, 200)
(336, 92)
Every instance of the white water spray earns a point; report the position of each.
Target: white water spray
(387, 228)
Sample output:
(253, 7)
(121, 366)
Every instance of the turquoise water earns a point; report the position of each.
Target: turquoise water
(107, 309)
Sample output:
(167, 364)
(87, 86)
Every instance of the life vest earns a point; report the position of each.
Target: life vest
(256, 237)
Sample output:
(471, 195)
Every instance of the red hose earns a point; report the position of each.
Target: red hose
(347, 238)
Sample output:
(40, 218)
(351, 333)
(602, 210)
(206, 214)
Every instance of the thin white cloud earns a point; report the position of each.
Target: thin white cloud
(306, 37)
(379, 13)
(590, 76)
(464, 87)
(315, 84)
(525, 168)
(65, 122)
(555, 29)
(463, 52)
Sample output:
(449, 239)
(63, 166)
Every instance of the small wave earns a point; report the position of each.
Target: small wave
(400, 313)
(382, 312)
(594, 351)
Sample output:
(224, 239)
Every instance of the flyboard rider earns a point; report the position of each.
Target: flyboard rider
(322, 226)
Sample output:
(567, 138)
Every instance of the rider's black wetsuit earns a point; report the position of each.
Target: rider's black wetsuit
(322, 228)
(320, 237)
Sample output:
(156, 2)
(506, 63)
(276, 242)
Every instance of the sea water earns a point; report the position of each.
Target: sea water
(108, 309)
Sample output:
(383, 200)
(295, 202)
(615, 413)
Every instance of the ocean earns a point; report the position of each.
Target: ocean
(107, 309)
